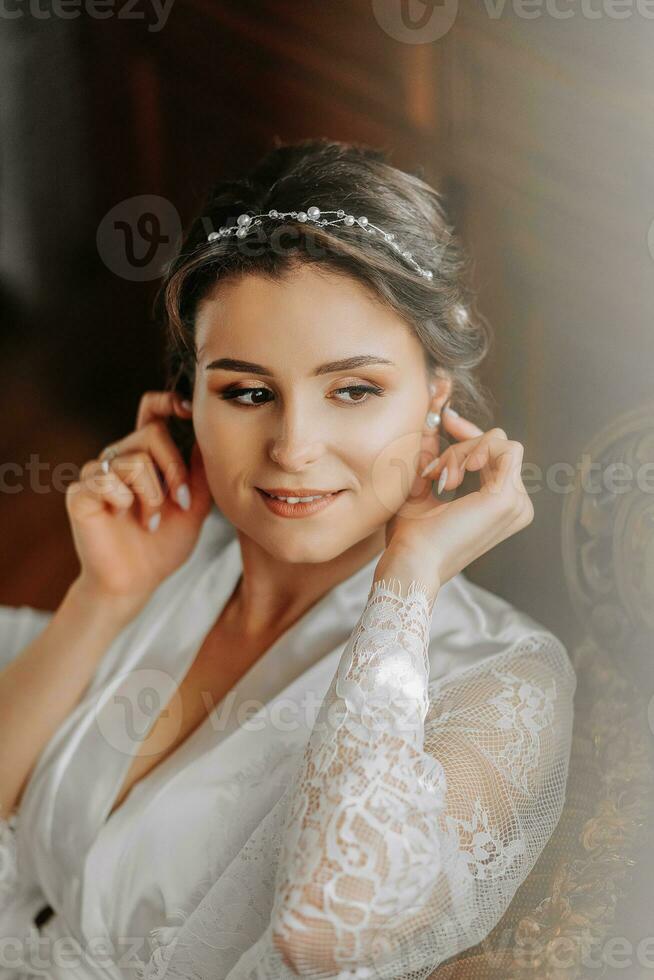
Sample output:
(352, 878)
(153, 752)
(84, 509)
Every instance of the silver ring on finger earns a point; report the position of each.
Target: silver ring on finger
(106, 457)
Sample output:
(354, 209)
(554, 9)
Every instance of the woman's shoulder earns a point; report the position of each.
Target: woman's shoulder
(471, 624)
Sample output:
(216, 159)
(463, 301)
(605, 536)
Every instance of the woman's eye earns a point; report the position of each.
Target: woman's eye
(252, 396)
(363, 390)
(237, 393)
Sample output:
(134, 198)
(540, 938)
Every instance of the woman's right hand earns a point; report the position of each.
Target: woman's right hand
(125, 549)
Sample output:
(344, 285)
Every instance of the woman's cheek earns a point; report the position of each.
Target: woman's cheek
(220, 447)
(205, 436)
(394, 467)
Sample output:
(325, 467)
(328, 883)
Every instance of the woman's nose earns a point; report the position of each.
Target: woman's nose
(296, 446)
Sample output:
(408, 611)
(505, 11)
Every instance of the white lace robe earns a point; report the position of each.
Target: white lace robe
(396, 828)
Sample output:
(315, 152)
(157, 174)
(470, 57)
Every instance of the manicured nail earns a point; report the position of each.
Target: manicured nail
(442, 481)
(430, 466)
(452, 411)
(187, 405)
(154, 521)
(183, 496)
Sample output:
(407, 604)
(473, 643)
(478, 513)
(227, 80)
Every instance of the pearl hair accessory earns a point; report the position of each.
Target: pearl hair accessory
(246, 222)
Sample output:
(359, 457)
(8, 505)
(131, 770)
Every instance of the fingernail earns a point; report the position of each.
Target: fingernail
(183, 496)
(187, 405)
(154, 521)
(430, 466)
(452, 411)
(442, 481)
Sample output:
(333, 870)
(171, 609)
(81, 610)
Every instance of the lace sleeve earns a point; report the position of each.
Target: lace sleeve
(418, 809)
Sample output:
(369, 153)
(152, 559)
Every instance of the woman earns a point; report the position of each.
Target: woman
(268, 737)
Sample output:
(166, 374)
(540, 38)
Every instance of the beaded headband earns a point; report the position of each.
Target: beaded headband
(246, 222)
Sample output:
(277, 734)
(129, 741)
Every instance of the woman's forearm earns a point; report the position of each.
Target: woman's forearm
(41, 686)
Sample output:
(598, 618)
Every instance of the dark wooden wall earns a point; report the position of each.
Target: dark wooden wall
(165, 113)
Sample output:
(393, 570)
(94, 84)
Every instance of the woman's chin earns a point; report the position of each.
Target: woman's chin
(304, 546)
(299, 548)
(313, 540)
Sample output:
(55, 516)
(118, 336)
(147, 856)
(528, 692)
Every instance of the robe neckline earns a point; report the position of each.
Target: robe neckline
(297, 657)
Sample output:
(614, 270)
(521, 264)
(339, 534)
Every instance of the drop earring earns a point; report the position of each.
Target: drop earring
(433, 420)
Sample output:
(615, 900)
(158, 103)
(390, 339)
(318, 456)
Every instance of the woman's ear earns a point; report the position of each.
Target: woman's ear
(440, 390)
(183, 435)
(434, 437)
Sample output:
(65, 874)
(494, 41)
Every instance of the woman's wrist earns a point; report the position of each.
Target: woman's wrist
(406, 567)
(112, 612)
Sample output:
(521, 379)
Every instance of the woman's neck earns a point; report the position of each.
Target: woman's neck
(272, 594)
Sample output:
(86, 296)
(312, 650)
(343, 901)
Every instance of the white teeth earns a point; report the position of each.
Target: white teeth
(298, 500)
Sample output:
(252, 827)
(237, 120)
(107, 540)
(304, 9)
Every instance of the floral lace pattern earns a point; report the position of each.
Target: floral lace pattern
(524, 711)
(354, 827)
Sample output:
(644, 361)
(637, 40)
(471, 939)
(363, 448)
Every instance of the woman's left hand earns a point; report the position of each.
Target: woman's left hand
(440, 538)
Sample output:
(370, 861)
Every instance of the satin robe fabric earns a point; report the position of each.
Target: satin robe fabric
(112, 880)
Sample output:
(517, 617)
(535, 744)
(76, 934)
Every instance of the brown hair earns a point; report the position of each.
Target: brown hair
(331, 174)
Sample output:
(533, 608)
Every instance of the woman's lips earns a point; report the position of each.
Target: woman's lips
(284, 509)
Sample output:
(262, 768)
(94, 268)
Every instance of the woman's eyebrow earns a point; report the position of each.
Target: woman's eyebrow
(346, 364)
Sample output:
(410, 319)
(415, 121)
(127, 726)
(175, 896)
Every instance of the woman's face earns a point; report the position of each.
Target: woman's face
(292, 417)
